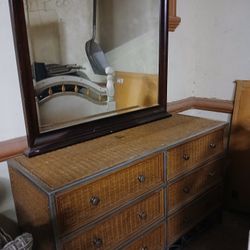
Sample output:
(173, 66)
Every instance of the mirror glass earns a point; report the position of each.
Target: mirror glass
(92, 59)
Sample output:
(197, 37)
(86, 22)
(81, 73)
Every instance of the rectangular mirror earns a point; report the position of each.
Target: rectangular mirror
(89, 67)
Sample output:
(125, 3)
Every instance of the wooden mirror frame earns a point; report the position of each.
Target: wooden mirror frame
(38, 142)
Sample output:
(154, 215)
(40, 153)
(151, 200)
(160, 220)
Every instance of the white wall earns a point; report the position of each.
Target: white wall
(181, 73)
(12, 122)
(208, 51)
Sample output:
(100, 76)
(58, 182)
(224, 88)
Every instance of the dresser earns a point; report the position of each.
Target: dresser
(141, 188)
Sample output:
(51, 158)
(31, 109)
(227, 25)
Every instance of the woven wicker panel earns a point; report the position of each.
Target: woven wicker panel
(114, 231)
(154, 240)
(75, 209)
(32, 211)
(69, 164)
(194, 184)
(188, 217)
(186, 157)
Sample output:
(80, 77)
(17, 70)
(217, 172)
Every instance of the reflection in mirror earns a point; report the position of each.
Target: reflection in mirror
(92, 58)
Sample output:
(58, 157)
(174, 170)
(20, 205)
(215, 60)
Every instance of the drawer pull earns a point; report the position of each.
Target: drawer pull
(186, 157)
(186, 190)
(212, 174)
(97, 242)
(95, 200)
(141, 178)
(212, 145)
(142, 215)
(144, 248)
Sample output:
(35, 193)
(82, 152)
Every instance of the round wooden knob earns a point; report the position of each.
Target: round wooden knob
(95, 200)
(141, 178)
(97, 242)
(186, 157)
(186, 190)
(142, 215)
(144, 248)
(212, 174)
(212, 145)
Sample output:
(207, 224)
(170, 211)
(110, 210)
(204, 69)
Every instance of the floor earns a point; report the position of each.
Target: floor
(231, 234)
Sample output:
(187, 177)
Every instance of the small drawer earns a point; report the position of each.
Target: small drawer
(194, 184)
(153, 240)
(82, 205)
(188, 217)
(117, 229)
(189, 155)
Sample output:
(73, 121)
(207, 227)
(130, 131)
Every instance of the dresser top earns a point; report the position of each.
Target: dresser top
(70, 164)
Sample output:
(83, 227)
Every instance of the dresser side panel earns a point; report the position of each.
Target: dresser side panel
(32, 209)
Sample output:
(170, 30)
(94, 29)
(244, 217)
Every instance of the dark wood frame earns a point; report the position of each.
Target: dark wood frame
(38, 142)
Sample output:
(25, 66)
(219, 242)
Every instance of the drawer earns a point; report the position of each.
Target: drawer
(190, 186)
(189, 155)
(179, 223)
(84, 204)
(118, 228)
(153, 240)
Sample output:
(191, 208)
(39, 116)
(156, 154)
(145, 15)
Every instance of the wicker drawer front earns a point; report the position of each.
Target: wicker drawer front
(189, 216)
(117, 229)
(84, 204)
(194, 184)
(154, 240)
(186, 157)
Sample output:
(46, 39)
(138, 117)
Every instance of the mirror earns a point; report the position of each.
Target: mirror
(89, 67)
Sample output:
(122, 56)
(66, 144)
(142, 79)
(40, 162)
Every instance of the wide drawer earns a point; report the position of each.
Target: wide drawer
(117, 229)
(179, 223)
(190, 186)
(82, 205)
(189, 155)
(153, 240)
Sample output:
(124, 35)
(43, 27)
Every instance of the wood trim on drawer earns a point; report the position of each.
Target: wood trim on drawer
(83, 204)
(118, 228)
(154, 239)
(192, 185)
(187, 217)
(194, 153)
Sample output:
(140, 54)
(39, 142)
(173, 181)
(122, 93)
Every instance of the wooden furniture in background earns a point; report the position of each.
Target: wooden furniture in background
(238, 188)
(136, 90)
(133, 189)
(174, 20)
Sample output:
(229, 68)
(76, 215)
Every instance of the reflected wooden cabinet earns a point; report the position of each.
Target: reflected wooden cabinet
(140, 188)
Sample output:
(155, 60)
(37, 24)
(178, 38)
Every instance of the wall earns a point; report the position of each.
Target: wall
(11, 115)
(208, 51)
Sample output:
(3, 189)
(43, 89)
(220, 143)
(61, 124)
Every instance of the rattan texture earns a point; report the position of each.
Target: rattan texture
(74, 208)
(32, 209)
(189, 187)
(189, 216)
(197, 151)
(155, 240)
(121, 226)
(73, 163)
